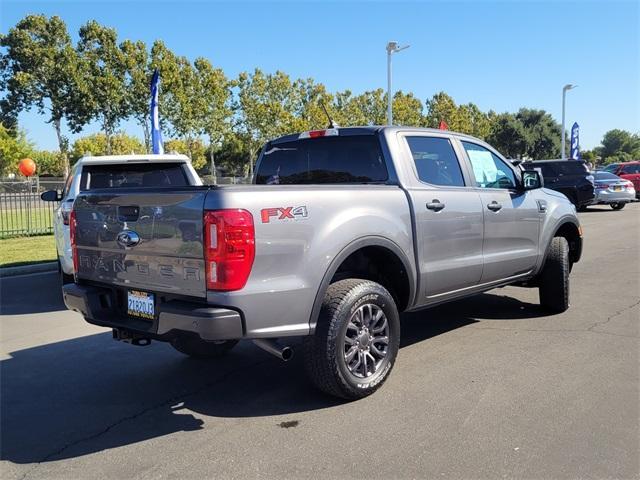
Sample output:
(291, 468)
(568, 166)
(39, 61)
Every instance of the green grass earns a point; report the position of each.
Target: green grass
(27, 250)
(17, 222)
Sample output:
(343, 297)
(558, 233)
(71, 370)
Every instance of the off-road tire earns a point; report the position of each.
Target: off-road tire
(197, 348)
(324, 351)
(618, 206)
(554, 279)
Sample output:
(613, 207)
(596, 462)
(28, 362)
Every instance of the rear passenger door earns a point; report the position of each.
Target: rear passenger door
(448, 215)
(511, 216)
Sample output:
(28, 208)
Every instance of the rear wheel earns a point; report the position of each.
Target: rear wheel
(554, 279)
(356, 341)
(197, 348)
(618, 206)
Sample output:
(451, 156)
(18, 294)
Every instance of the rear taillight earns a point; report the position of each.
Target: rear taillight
(229, 248)
(603, 186)
(65, 216)
(329, 132)
(72, 237)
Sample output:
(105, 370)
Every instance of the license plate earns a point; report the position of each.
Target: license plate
(617, 188)
(140, 304)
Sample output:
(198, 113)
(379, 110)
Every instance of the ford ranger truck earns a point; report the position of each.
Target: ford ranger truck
(341, 230)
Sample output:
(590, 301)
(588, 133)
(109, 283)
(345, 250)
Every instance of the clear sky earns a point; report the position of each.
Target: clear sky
(499, 55)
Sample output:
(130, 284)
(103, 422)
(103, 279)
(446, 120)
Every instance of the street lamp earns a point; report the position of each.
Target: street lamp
(564, 94)
(392, 47)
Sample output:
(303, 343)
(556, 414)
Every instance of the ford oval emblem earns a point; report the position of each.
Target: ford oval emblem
(128, 238)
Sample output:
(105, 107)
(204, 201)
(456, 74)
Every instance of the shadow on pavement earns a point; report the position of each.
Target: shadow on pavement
(31, 294)
(80, 396)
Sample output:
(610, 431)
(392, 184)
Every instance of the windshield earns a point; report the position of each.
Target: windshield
(127, 175)
(347, 159)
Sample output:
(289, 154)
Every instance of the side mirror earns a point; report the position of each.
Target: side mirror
(51, 196)
(531, 179)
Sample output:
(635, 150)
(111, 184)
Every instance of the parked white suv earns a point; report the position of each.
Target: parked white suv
(113, 171)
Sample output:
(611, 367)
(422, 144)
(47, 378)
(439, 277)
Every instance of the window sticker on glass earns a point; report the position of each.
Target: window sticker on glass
(484, 168)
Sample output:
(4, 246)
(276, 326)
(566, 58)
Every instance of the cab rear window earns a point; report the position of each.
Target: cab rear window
(326, 160)
(133, 175)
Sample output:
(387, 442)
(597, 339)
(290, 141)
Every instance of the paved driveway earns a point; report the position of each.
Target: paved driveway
(487, 387)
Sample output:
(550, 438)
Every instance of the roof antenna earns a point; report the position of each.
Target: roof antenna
(332, 124)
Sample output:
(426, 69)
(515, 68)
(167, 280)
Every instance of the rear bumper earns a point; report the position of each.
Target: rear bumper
(606, 197)
(101, 306)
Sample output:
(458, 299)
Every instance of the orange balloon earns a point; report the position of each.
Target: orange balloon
(27, 167)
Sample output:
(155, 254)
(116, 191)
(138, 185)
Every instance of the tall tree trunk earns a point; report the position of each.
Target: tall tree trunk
(62, 145)
(213, 162)
(147, 135)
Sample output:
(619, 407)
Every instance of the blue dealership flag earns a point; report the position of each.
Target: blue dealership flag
(156, 134)
(575, 142)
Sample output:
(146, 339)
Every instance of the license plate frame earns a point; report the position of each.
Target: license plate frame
(141, 305)
(617, 188)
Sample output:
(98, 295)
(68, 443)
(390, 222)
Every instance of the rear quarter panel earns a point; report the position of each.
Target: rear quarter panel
(293, 254)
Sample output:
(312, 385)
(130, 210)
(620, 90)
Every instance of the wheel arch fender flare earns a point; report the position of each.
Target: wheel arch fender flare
(369, 241)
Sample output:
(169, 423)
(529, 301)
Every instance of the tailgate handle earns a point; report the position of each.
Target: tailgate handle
(128, 214)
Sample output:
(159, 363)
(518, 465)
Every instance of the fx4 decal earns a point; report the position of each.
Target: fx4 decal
(283, 213)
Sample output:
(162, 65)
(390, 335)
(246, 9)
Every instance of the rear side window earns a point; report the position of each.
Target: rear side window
(633, 168)
(605, 176)
(435, 160)
(570, 167)
(137, 175)
(348, 159)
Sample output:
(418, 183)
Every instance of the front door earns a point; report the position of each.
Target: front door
(511, 216)
(449, 219)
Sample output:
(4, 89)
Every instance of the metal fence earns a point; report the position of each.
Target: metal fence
(22, 212)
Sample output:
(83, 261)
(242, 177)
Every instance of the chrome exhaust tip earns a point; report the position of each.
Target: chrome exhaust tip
(274, 348)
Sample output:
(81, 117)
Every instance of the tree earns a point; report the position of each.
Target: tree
(181, 97)
(14, 146)
(508, 135)
(407, 109)
(137, 85)
(40, 69)
(543, 134)
(214, 88)
(473, 121)
(617, 142)
(442, 108)
(195, 150)
(266, 108)
(105, 67)
(48, 162)
(98, 144)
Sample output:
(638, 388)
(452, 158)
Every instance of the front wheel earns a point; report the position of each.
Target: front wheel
(197, 348)
(554, 279)
(356, 341)
(618, 206)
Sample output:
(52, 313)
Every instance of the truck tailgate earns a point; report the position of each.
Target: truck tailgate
(146, 240)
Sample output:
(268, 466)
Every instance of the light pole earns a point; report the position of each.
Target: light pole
(392, 47)
(564, 94)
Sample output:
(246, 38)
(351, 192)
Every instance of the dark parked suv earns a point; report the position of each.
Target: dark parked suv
(571, 177)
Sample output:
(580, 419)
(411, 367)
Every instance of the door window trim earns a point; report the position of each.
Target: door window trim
(404, 144)
(488, 147)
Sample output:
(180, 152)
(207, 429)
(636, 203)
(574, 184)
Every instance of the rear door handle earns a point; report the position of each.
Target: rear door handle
(435, 205)
(494, 206)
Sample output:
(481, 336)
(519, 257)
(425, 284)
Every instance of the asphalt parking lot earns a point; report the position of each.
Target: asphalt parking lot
(487, 387)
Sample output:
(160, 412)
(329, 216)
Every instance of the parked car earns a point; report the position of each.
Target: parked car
(611, 168)
(613, 190)
(342, 229)
(570, 177)
(630, 171)
(115, 171)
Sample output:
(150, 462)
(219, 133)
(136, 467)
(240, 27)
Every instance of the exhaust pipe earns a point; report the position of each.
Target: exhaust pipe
(271, 346)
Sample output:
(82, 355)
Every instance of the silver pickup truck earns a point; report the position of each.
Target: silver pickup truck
(341, 230)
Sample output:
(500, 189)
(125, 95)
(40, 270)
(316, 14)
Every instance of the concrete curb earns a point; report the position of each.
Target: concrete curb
(26, 269)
